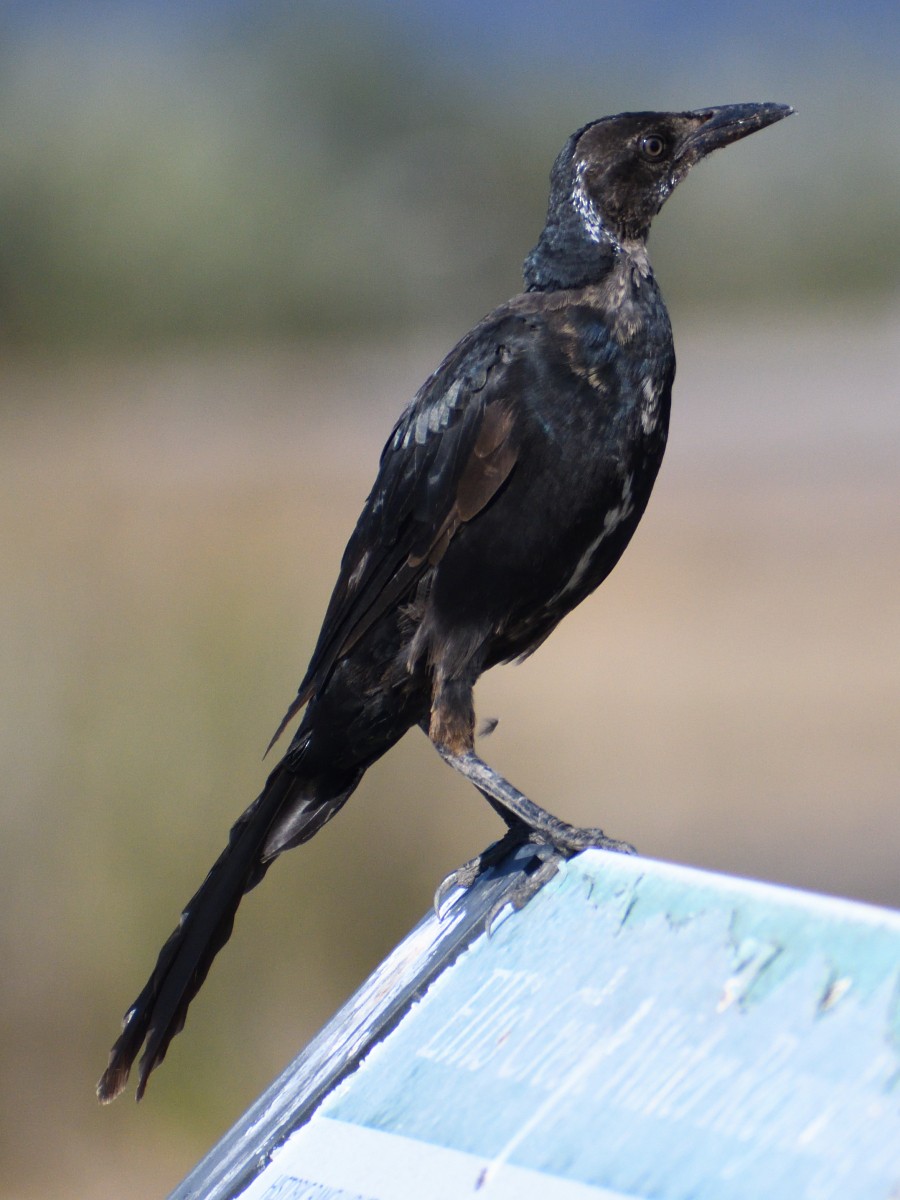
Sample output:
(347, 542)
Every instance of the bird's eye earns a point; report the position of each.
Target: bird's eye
(652, 146)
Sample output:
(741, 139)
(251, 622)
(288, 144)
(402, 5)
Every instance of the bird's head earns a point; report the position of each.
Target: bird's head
(614, 175)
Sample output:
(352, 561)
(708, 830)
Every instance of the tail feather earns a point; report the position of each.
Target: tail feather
(345, 729)
(159, 1012)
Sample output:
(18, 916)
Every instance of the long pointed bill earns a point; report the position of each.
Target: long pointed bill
(728, 123)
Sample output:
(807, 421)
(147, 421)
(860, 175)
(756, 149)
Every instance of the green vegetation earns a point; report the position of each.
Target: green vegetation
(293, 178)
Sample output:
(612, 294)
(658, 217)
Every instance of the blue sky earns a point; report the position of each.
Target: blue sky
(574, 31)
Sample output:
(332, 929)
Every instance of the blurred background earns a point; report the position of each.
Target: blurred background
(234, 238)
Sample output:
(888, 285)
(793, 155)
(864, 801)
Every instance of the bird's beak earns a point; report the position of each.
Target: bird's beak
(726, 124)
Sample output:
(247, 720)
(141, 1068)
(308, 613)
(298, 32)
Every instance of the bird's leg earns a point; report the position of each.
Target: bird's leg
(451, 729)
(463, 877)
(553, 840)
(517, 833)
(518, 810)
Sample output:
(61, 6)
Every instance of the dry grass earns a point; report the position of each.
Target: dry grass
(171, 529)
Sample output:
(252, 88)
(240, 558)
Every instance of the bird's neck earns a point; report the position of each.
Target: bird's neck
(577, 248)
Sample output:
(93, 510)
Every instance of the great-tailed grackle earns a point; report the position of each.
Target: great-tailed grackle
(506, 493)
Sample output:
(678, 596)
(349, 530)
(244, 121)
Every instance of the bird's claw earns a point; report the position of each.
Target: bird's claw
(575, 839)
(537, 871)
(463, 877)
(549, 854)
(447, 885)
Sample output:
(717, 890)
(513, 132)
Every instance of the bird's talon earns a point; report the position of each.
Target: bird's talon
(447, 885)
(540, 870)
(577, 839)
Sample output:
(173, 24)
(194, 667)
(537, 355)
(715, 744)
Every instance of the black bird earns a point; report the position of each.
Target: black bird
(506, 493)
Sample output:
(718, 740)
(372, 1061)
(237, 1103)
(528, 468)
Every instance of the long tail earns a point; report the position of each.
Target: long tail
(159, 1012)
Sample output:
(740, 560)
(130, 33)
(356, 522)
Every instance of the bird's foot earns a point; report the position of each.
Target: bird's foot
(572, 839)
(553, 841)
(463, 877)
(549, 853)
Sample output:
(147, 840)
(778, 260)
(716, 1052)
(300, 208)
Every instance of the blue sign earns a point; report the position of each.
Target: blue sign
(638, 1030)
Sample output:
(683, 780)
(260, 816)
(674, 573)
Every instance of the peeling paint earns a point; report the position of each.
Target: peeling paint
(638, 1029)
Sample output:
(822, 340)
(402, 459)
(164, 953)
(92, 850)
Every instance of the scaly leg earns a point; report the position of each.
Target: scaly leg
(451, 728)
(554, 840)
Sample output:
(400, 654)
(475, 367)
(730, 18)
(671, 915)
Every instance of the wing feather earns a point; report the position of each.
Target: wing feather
(447, 456)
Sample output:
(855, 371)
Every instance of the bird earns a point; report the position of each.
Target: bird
(507, 491)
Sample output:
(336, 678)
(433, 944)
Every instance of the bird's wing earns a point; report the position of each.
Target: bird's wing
(448, 454)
